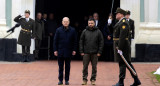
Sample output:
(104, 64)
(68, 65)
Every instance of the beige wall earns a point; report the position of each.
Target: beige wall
(147, 32)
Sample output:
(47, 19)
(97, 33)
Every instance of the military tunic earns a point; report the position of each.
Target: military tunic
(120, 37)
(27, 30)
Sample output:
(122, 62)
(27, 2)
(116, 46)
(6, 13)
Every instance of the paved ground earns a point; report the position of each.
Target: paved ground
(44, 73)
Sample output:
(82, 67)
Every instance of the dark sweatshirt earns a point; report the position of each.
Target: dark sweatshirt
(91, 41)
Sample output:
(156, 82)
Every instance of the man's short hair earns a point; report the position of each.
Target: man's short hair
(96, 13)
(39, 13)
(66, 17)
(91, 19)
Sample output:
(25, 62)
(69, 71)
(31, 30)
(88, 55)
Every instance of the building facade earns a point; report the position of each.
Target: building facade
(145, 13)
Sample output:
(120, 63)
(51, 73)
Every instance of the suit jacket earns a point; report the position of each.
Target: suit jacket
(100, 25)
(108, 31)
(65, 41)
(52, 26)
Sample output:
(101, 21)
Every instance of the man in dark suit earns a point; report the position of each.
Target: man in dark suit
(39, 32)
(65, 44)
(27, 31)
(131, 23)
(45, 24)
(98, 23)
(122, 47)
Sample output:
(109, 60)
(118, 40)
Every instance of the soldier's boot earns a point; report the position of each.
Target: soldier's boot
(36, 54)
(93, 82)
(23, 58)
(27, 58)
(120, 83)
(84, 82)
(136, 82)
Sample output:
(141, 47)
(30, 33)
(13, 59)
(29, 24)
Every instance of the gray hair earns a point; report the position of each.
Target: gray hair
(66, 18)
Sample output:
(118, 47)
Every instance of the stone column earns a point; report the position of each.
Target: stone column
(2, 19)
(2, 12)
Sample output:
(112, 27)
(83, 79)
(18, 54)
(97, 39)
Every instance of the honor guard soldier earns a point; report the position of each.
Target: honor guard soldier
(26, 33)
(131, 24)
(122, 47)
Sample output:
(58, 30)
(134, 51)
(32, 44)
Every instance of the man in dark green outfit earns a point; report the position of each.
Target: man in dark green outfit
(91, 46)
(122, 47)
(26, 33)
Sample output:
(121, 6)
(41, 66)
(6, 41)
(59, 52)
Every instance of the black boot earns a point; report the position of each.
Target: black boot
(27, 58)
(120, 83)
(23, 58)
(36, 54)
(136, 82)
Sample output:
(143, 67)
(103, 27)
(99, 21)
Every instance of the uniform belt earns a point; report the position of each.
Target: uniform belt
(25, 30)
(115, 39)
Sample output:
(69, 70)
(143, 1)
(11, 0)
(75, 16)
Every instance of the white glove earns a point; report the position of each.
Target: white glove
(120, 52)
(132, 39)
(22, 15)
(109, 21)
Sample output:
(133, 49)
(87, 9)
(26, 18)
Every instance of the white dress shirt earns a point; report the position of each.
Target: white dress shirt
(96, 22)
(27, 19)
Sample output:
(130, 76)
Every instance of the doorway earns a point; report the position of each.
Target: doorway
(76, 10)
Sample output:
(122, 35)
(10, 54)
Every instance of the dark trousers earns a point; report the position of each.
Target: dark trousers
(25, 50)
(61, 62)
(130, 39)
(108, 52)
(51, 46)
(122, 70)
(37, 47)
(25, 53)
(86, 60)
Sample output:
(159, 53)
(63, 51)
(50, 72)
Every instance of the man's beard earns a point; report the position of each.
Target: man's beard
(91, 26)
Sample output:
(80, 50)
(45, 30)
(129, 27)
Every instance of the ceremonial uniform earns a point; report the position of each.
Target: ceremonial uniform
(121, 42)
(132, 27)
(27, 30)
(120, 37)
